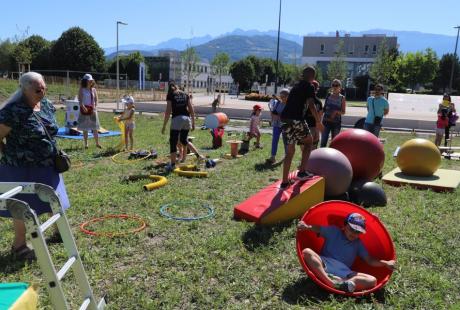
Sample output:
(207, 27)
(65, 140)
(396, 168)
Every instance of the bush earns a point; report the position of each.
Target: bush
(257, 97)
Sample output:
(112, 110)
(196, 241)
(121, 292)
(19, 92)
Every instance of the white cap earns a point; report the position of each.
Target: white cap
(127, 100)
(88, 77)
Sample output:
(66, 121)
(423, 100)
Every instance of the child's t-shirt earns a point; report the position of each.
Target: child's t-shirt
(128, 116)
(254, 125)
(442, 123)
(338, 247)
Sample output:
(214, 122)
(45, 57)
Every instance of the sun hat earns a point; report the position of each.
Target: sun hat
(127, 100)
(88, 77)
(357, 222)
(257, 107)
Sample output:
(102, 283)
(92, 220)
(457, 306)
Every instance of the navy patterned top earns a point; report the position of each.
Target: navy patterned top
(27, 144)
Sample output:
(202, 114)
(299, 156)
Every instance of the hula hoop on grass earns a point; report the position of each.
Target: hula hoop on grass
(128, 161)
(164, 212)
(141, 227)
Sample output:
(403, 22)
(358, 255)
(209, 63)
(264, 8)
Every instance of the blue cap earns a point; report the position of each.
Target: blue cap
(357, 222)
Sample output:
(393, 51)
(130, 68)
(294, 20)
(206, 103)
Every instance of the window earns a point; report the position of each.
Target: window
(374, 49)
(322, 48)
(366, 49)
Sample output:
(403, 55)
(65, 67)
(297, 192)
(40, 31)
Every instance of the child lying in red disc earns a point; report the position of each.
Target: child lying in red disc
(339, 251)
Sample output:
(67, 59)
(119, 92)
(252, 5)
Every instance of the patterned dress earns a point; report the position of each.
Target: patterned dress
(28, 155)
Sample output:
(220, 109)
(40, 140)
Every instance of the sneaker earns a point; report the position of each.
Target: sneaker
(346, 286)
(304, 175)
(285, 185)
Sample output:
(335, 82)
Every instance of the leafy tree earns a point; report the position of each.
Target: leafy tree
(268, 72)
(383, 69)
(337, 68)
(190, 60)
(417, 68)
(220, 66)
(7, 62)
(243, 73)
(39, 50)
(319, 74)
(77, 50)
(22, 54)
(442, 79)
(257, 64)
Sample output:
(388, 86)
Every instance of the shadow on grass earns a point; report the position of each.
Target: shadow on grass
(8, 263)
(110, 151)
(257, 235)
(305, 291)
(266, 166)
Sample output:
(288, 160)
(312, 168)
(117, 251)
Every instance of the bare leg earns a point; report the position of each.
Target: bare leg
(315, 263)
(307, 143)
(96, 137)
(287, 161)
(183, 152)
(85, 138)
(131, 139)
(193, 149)
(363, 281)
(19, 233)
(126, 137)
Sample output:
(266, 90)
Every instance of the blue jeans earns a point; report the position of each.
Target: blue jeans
(275, 139)
(374, 129)
(333, 128)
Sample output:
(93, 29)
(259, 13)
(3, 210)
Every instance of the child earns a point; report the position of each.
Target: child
(339, 251)
(254, 124)
(276, 107)
(441, 125)
(128, 118)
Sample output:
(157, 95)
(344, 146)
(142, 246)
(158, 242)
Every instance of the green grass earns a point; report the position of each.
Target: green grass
(8, 87)
(220, 263)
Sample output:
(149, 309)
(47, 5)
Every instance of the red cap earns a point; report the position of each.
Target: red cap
(257, 107)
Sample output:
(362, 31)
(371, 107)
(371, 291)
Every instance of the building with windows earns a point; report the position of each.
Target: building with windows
(168, 66)
(359, 52)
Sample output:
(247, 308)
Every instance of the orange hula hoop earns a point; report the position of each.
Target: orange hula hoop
(142, 226)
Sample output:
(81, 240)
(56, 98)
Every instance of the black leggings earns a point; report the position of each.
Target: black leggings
(447, 131)
(176, 135)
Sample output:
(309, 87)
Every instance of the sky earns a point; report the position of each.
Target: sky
(151, 21)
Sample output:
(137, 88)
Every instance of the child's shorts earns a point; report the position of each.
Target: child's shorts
(337, 268)
(440, 131)
(130, 125)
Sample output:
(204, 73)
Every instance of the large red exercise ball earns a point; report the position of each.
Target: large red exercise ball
(363, 150)
(216, 120)
(367, 193)
(334, 167)
(418, 157)
(377, 241)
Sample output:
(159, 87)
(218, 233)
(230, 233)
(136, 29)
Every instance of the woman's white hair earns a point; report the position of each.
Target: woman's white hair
(25, 82)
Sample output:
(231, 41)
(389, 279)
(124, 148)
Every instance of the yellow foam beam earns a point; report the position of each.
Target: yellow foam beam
(297, 205)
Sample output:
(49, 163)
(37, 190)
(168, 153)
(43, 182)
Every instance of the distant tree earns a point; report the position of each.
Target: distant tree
(430, 65)
(337, 68)
(442, 79)
(243, 73)
(220, 66)
(383, 69)
(268, 72)
(77, 50)
(417, 68)
(39, 50)
(190, 60)
(257, 64)
(22, 54)
(319, 74)
(7, 62)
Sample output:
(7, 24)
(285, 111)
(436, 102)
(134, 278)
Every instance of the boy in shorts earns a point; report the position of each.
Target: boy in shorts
(339, 251)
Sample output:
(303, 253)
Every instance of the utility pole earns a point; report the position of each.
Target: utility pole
(278, 51)
(453, 61)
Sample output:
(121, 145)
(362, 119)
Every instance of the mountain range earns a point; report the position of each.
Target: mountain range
(241, 43)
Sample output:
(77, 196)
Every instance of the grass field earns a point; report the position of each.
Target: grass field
(220, 263)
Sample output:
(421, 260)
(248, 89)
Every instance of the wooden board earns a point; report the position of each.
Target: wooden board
(441, 180)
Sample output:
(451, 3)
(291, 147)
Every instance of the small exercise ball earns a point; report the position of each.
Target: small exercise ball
(418, 157)
(334, 167)
(366, 193)
(363, 150)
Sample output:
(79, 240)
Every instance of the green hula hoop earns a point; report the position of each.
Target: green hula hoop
(164, 212)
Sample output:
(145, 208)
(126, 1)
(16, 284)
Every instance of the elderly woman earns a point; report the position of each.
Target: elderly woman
(27, 154)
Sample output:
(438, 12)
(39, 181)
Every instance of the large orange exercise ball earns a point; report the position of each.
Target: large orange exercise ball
(363, 150)
(418, 157)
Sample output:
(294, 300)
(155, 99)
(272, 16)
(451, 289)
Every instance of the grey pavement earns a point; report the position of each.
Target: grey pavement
(238, 108)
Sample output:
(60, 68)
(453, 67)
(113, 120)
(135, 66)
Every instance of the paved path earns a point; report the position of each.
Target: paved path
(241, 109)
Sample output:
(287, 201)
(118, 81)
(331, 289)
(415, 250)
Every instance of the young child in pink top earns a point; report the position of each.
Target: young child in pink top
(254, 124)
(441, 124)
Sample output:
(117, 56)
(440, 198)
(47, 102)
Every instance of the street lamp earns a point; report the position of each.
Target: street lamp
(453, 61)
(278, 50)
(118, 68)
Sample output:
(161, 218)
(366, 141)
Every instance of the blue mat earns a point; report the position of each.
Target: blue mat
(61, 134)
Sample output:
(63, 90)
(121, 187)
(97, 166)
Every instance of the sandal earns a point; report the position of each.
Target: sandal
(23, 253)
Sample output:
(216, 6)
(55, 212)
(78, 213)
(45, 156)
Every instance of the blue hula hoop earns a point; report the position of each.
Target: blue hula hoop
(165, 213)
